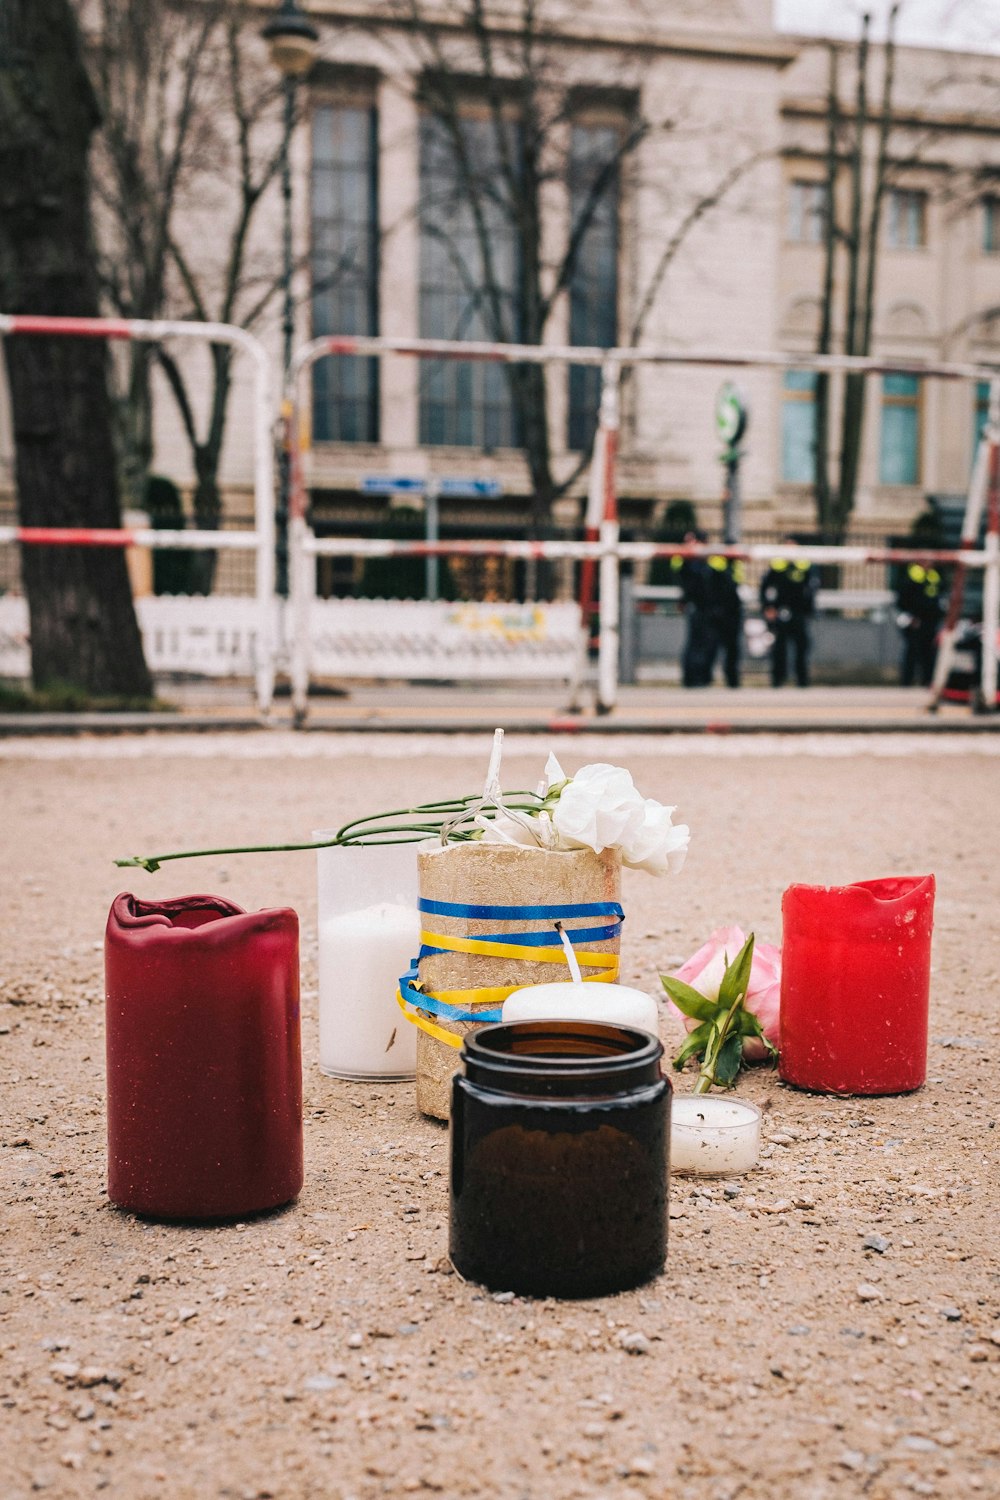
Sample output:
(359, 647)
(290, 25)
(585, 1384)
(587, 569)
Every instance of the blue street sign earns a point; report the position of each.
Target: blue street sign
(388, 484)
(470, 489)
(453, 489)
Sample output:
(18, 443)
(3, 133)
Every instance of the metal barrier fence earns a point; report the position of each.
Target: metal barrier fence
(261, 540)
(602, 550)
(601, 553)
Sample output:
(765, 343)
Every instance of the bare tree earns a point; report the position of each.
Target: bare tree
(83, 625)
(191, 128)
(860, 241)
(504, 157)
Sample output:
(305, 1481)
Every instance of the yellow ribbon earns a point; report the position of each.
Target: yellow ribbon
(506, 950)
(495, 994)
(432, 1029)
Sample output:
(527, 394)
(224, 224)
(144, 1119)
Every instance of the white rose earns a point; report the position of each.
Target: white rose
(599, 809)
(656, 845)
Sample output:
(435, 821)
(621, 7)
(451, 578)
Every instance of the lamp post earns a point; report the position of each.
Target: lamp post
(292, 41)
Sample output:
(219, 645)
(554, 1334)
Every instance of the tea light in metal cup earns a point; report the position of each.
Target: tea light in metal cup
(713, 1135)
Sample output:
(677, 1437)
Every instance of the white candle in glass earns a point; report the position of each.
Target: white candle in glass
(710, 1134)
(369, 931)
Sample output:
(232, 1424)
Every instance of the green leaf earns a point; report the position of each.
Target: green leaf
(736, 980)
(727, 1064)
(750, 1025)
(695, 1043)
(689, 1001)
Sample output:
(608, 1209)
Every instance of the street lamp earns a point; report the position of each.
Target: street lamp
(292, 42)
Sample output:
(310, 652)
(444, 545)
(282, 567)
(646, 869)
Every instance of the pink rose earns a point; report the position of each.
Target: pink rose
(704, 970)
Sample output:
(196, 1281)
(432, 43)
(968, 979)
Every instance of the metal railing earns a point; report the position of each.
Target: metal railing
(261, 540)
(602, 550)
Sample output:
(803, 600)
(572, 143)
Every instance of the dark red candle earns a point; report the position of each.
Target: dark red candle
(855, 985)
(204, 1057)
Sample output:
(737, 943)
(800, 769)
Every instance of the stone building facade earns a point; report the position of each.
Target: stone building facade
(727, 182)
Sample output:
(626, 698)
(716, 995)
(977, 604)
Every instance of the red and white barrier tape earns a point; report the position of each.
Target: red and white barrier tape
(91, 536)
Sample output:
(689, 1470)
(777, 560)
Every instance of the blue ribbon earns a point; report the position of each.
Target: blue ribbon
(521, 913)
(539, 939)
(422, 1001)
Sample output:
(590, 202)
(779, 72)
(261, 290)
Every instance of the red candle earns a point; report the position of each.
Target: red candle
(855, 985)
(204, 1057)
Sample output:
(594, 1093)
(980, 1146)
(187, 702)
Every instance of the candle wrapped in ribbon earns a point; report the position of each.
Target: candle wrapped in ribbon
(490, 903)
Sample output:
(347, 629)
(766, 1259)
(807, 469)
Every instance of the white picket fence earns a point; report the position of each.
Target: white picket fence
(349, 638)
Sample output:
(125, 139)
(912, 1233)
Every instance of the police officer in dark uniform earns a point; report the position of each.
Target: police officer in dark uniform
(787, 602)
(921, 606)
(698, 656)
(725, 574)
(711, 604)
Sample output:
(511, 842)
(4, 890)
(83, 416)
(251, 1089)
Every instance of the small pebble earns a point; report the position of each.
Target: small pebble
(916, 1443)
(953, 1314)
(781, 1139)
(876, 1242)
(868, 1293)
(355, 1341)
(732, 1190)
(634, 1343)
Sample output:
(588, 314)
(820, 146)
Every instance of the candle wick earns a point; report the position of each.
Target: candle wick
(574, 967)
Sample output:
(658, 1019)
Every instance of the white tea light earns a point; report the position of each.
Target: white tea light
(709, 1134)
(614, 1004)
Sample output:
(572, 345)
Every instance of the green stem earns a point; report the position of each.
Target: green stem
(375, 829)
(706, 1077)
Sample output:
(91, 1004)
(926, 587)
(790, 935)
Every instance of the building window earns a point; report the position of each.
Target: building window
(466, 404)
(899, 451)
(798, 427)
(593, 288)
(806, 212)
(344, 205)
(991, 225)
(906, 219)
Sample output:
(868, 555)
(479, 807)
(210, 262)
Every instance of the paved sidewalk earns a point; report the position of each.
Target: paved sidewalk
(466, 707)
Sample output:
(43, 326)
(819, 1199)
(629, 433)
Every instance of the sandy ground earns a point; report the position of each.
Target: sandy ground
(327, 1350)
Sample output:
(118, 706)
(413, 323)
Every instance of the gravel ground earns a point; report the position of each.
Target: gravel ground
(832, 1328)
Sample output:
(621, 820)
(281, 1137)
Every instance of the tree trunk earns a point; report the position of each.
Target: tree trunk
(821, 452)
(207, 505)
(135, 427)
(82, 619)
(854, 385)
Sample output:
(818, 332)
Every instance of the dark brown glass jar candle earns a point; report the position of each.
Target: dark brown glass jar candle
(560, 1134)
